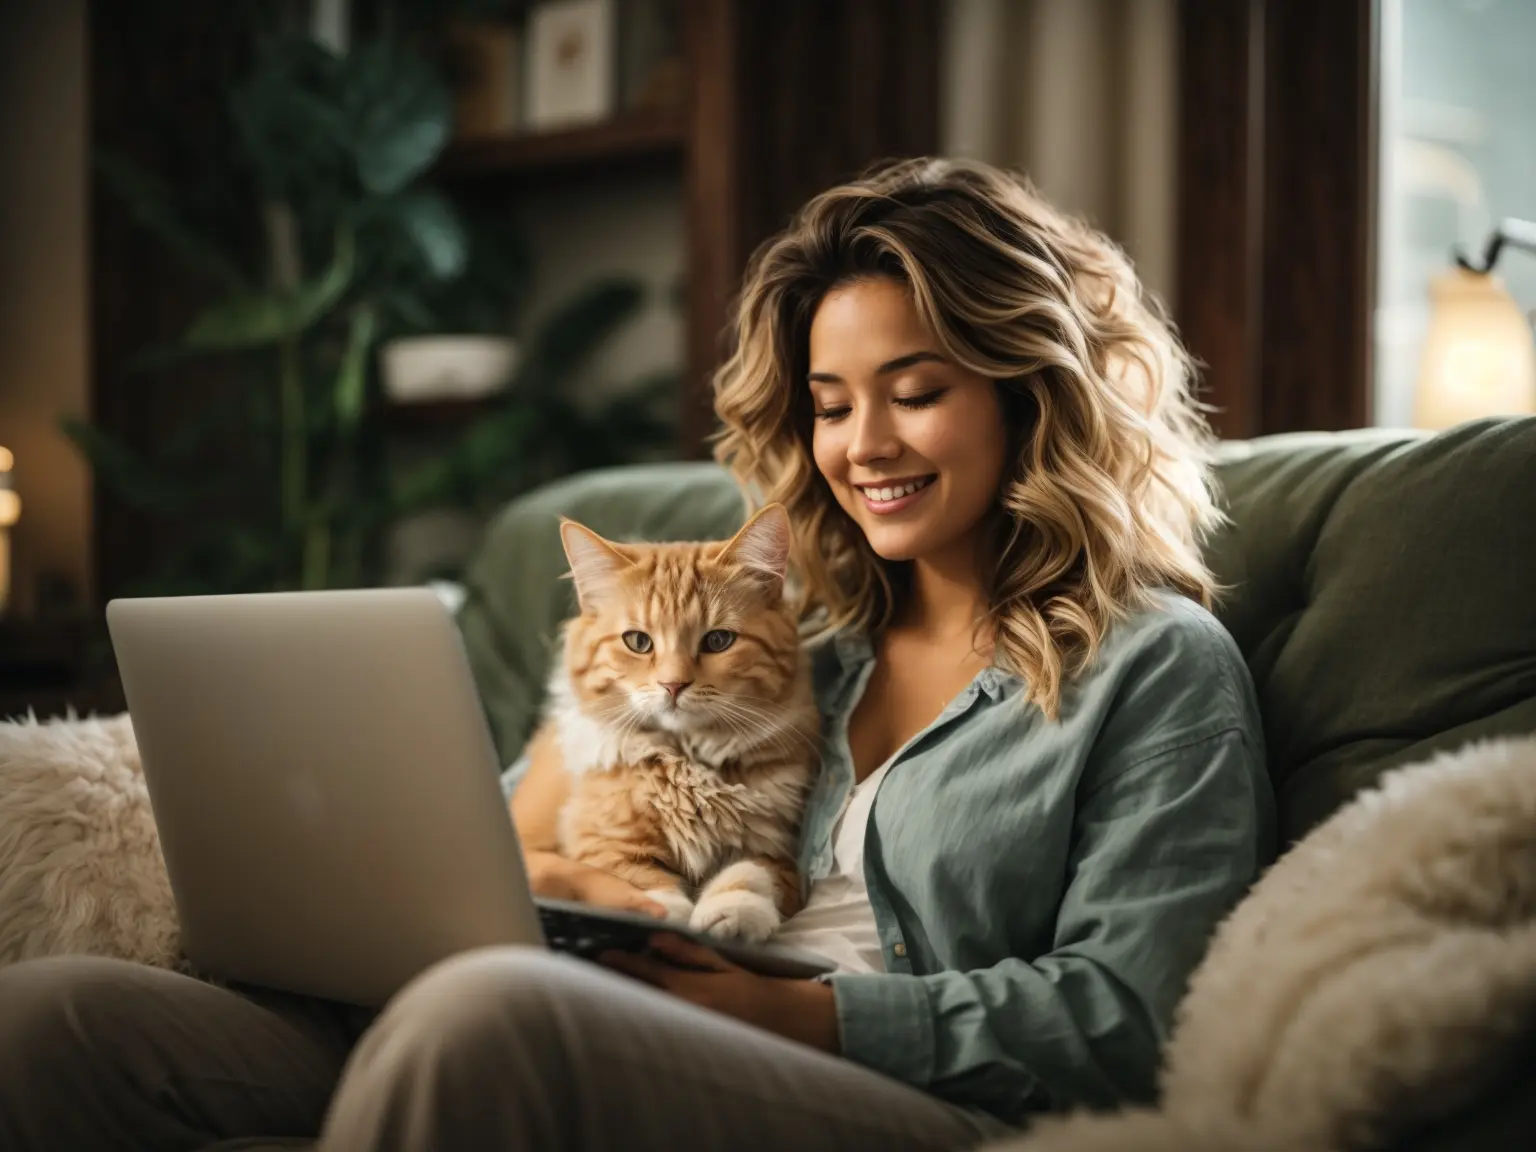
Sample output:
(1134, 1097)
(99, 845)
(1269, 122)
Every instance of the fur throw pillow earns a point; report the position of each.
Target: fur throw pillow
(80, 863)
(1381, 975)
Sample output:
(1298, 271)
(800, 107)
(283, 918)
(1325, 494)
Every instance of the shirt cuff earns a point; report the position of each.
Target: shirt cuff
(886, 1024)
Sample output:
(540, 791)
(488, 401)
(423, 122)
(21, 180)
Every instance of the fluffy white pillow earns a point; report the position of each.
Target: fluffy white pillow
(80, 863)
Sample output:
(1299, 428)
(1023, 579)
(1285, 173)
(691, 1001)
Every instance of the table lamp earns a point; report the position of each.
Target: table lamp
(1479, 357)
(10, 509)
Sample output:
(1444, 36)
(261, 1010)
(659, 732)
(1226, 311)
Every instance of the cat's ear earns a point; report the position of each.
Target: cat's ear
(595, 563)
(762, 545)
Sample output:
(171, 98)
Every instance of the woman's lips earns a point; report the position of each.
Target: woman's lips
(887, 499)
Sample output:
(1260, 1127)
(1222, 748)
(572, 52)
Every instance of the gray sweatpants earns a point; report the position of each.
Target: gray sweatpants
(506, 1050)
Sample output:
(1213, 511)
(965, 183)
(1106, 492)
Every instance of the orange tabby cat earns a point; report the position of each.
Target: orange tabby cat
(683, 712)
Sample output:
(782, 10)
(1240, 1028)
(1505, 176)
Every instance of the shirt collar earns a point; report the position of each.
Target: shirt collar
(853, 648)
(991, 682)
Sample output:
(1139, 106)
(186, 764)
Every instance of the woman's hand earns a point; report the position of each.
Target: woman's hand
(800, 1010)
(556, 878)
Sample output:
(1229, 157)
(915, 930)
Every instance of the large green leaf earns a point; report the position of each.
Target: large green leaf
(434, 230)
(293, 126)
(153, 208)
(260, 319)
(487, 295)
(400, 116)
(484, 296)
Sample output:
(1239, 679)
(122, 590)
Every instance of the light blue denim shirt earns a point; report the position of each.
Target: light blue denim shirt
(1043, 889)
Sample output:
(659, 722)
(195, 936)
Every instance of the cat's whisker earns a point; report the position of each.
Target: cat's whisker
(772, 716)
(767, 702)
(723, 708)
(764, 728)
(755, 712)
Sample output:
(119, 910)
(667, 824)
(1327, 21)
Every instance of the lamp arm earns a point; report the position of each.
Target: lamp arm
(1511, 232)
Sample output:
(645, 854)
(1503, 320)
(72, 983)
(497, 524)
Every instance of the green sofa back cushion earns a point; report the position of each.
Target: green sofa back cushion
(1382, 587)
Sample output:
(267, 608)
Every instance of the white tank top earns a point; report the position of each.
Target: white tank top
(837, 921)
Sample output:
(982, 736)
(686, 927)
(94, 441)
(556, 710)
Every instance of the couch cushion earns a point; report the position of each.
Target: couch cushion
(1384, 596)
(1382, 589)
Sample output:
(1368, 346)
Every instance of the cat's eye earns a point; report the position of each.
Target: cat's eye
(637, 642)
(718, 640)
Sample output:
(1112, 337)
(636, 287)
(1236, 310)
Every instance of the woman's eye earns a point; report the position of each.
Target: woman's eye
(830, 415)
(718, 640)
(637, 642)
(926, 400)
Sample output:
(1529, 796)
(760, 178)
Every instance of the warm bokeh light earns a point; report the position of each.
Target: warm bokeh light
(10, 503)
(1479, 357)
(10, 511)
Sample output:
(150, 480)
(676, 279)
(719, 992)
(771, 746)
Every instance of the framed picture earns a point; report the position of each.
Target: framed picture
(571, 63)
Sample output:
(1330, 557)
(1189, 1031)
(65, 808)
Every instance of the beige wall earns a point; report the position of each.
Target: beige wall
(581, 235)
(43, 319)
(1080, 94)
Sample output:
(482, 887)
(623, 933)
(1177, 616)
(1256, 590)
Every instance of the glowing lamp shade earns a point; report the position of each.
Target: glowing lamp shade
(10, 510)
(1479, 357)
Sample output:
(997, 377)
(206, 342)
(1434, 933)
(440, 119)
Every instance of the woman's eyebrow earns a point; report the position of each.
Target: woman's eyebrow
(896, 365)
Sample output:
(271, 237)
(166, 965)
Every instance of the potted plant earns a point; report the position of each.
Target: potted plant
(359, 250)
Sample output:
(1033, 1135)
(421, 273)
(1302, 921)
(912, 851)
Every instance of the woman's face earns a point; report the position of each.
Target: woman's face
(912, 444)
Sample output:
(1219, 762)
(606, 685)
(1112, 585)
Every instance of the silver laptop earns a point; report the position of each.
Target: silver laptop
(326, 792)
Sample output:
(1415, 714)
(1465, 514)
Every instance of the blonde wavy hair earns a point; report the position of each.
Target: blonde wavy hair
(1108, 492)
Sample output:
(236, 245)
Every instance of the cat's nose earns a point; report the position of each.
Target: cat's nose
(675, 688)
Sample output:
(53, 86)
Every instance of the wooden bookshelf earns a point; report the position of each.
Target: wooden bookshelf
(658, 134)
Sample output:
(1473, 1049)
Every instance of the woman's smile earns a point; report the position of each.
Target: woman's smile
(886, 498)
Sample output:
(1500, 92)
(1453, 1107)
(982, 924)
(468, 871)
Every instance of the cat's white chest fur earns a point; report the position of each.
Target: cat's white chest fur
(706, 815)
(707, 819)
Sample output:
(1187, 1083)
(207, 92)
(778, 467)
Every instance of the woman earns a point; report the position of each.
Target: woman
(998, 481)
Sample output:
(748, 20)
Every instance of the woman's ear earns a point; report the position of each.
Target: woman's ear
(595, 563)
(762, 546)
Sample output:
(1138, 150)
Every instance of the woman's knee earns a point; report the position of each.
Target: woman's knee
(45, 1003)
(495, 1003)
(489, 985)
(59, 1018)
(497, 1032)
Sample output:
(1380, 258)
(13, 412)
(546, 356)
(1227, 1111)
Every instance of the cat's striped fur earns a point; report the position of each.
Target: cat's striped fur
(695, 797)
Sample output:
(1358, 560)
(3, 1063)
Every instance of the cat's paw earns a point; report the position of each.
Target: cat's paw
(736, 915)
(679, 908)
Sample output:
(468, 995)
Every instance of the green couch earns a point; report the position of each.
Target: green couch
(1381, 585)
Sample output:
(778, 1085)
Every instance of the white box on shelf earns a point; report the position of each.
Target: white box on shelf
(420, 369)
(572, 66)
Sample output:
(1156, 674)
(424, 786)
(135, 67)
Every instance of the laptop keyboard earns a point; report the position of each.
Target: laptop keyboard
(589, 937)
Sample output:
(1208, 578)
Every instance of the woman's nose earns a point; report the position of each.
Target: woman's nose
(874, 437)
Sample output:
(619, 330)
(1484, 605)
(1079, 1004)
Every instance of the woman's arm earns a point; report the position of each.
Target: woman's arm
(1163, 849)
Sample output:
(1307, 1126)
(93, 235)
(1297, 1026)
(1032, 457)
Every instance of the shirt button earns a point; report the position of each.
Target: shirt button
(900, 949)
